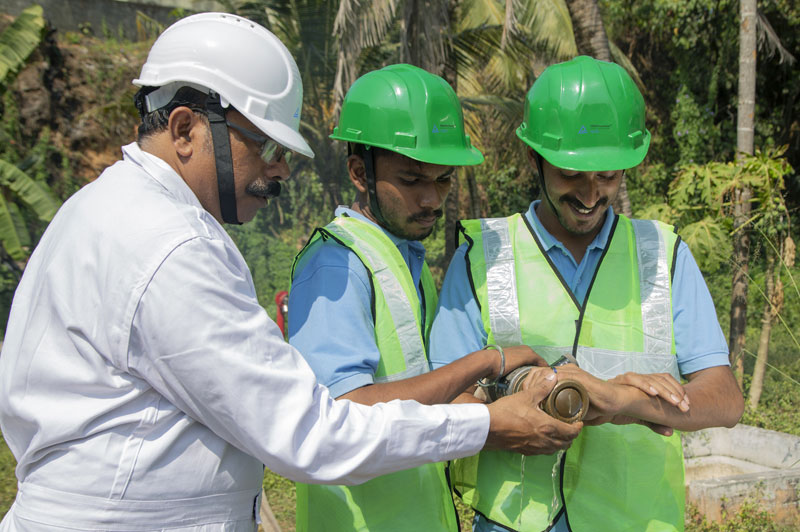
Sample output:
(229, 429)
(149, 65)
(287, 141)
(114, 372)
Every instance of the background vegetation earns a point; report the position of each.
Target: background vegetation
(65, 108)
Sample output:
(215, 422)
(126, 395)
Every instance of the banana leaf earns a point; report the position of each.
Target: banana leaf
(33, 195)
(18, 41)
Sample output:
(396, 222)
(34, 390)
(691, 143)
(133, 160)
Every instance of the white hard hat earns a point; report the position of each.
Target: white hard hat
(243, 62)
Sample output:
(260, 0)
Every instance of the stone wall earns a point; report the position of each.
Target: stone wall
(118, 17)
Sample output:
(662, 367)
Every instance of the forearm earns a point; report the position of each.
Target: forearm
(714, 397)
(439, 386)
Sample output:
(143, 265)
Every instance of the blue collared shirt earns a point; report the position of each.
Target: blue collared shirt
(330, 316)
(458, 328)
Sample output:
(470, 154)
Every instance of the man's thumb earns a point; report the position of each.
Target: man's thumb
(540, 382)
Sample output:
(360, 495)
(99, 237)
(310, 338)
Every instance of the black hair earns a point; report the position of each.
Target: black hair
(157, 120)
(354, 148)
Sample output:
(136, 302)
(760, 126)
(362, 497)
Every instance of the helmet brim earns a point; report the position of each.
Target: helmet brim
(597, 159)
(282, 134)
(468, 156)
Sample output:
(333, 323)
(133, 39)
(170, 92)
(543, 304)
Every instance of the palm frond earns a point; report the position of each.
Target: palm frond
(767, 37)
(356, 27)
(622, 60)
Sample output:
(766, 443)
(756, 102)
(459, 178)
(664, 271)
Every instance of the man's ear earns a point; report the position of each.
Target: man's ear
(182, 122)
(357, 172)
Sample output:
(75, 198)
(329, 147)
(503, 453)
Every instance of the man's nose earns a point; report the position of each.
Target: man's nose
(279, 170)
(433, 194)
(589, 191)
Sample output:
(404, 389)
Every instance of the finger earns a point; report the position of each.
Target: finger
(657, 385)
(671, 390)
(540, 381)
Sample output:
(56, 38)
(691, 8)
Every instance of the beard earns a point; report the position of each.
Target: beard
(401, 227)
(568, 201)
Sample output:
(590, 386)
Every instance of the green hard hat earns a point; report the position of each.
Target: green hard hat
(586, 115)
(407, 110)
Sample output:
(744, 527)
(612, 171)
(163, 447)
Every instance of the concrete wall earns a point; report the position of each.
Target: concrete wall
(118, 16)
(725, 467)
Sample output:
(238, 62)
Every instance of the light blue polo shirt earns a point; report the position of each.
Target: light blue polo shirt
(458, 327)
(330, 310)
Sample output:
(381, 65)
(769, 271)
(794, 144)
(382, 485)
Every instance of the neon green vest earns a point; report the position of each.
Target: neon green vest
(612, 478)
(414, 499)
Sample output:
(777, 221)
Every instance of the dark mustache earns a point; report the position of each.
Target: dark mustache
(572, 199)
(270, 189)
(425, 214)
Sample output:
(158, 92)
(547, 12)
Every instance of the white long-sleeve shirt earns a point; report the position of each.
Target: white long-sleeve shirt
(142, 386)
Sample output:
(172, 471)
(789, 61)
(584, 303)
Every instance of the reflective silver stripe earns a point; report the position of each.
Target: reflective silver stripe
(654, 287)
(606, 364)
(409, 372)
(552, 353)
(501, 281)
(408, 332)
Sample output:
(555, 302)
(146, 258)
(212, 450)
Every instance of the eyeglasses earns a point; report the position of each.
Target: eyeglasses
(270, 151)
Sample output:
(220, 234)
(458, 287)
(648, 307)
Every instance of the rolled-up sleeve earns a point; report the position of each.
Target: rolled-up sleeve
(200, 339)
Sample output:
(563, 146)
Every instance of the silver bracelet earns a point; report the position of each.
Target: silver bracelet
(481, 382)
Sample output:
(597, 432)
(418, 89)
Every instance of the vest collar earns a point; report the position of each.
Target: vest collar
(413, 246)
(549, 241)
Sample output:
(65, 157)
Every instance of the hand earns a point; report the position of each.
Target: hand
(661, 385)
(519, 424)
(607, 403)
(516, 356)
(604, 398)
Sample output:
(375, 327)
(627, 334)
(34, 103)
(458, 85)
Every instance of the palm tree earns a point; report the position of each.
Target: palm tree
(742, 207)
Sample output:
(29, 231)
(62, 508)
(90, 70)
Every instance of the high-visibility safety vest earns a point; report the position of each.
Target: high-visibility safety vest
(620, 478)
(414, 499)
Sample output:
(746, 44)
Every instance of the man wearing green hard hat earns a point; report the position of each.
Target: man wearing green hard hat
(363, 299)
(623, 298)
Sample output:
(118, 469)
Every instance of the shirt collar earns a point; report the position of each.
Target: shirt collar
(415, 245)
(163, 173)
(549, 241)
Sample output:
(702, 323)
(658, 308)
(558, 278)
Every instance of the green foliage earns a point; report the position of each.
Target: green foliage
(697, 137)
(700, 203)
(281, 495)
(508, 190)
(8, 481)
(748, 518)
(710, 243)
(18, 41)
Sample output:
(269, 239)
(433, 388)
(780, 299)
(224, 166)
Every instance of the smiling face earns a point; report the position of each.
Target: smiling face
(410, 193)
(578, 202)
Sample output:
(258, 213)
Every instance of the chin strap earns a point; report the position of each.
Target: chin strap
(222, 158)
(372, 192)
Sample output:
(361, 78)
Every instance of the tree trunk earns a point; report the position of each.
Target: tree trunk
(590, 33)
(451, 206)
(591, 39)
(744, 145)
(771, 309)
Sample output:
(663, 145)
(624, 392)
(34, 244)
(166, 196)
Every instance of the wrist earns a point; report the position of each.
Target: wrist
(496, 367)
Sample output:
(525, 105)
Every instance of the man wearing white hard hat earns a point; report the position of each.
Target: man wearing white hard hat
(142, 386)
